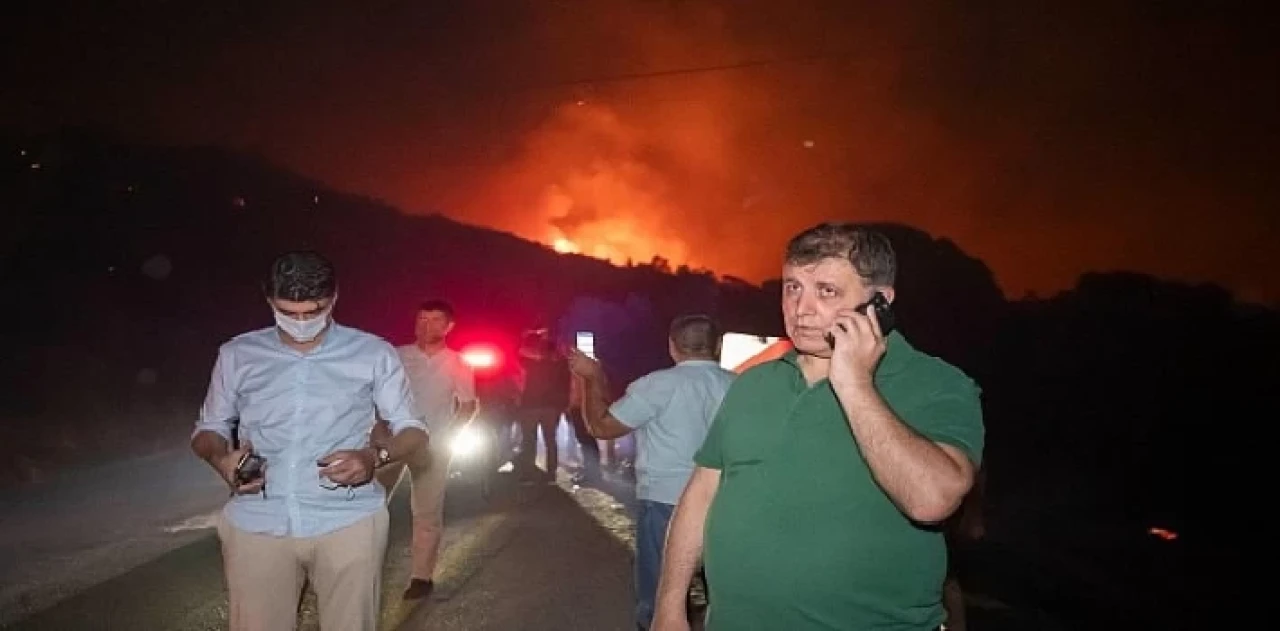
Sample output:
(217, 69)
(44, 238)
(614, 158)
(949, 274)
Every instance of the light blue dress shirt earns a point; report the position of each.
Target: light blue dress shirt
(671, 411)
(296, 408)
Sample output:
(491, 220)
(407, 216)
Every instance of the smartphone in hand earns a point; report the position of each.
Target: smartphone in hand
(884, 315)
(883, 311)
(585, 341)
(249, 468)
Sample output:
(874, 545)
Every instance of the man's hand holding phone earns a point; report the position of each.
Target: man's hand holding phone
(243, 470)
(582, 365)
(350, 467)
(857, 344)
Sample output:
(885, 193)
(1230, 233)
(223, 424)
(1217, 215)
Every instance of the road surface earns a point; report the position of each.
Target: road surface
(131, 545)
(90, 524)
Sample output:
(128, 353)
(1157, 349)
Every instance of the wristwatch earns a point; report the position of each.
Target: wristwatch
(381, 457)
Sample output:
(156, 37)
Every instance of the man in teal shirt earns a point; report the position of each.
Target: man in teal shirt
(825, 473)
(670, 411)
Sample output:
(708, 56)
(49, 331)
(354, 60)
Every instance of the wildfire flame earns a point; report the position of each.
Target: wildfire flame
(564, 246)
(591, 183)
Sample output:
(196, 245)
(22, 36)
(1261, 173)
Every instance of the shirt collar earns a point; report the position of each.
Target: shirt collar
(897, 354)
(698, 362)
(438, 355)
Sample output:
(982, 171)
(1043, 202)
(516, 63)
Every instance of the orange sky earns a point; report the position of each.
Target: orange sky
(1045, 140)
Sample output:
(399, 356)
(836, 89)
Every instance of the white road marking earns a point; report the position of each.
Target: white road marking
(199, 522)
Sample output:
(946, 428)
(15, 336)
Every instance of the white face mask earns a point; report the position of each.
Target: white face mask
(303, 331)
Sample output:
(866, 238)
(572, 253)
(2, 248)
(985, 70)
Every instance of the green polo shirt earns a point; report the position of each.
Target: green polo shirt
(799, 535)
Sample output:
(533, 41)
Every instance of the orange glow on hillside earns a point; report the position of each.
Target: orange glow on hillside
(563, 245)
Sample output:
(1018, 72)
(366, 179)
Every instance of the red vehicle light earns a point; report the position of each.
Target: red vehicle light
(481, 357)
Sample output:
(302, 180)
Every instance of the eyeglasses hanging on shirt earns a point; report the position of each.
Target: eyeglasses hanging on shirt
(330, 485)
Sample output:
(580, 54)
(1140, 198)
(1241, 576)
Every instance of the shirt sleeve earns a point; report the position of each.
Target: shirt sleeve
(953, 417)
(644, 400)
(391, 394)
(219, 412)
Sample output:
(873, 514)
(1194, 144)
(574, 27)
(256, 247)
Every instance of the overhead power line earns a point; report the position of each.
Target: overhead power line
(675, 72)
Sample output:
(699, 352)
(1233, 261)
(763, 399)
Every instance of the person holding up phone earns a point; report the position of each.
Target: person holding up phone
(305, 392)
(669, 411)
(819, 489)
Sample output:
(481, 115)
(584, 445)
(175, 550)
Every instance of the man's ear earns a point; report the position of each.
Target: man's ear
(888, 293)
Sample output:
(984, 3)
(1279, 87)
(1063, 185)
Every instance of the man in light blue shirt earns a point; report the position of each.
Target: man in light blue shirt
(304, 395)
(670, 411)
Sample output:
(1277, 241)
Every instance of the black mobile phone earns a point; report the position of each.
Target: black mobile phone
(883, 311)
(249, 468)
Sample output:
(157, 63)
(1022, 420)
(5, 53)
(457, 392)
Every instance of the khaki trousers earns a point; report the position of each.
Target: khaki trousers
(428, 477)
(265, 575)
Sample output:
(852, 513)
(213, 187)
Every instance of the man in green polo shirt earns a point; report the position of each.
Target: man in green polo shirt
(825, 473)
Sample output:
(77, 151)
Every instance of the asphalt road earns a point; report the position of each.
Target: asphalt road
(131, 545)
(88, 525)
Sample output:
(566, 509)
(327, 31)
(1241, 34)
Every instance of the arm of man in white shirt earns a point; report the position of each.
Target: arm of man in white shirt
(404, 433)
(211, 440)
(465, 393)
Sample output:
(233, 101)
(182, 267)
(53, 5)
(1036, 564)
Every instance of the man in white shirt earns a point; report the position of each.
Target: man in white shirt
(670, 411)
(444, 390)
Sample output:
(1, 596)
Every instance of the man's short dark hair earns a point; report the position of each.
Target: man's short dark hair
(868, 249)
(695, 335)
(301, 276)
(442, 306)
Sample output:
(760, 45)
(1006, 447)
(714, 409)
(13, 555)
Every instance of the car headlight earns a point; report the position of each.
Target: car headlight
(466, 442)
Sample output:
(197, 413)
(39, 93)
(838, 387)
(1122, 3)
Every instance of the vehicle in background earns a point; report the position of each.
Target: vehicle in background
(740, 351)
(479, 449)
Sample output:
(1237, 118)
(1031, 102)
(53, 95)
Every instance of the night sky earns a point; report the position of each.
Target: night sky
(1047, 138)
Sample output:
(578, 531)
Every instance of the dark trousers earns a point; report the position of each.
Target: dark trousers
(533, 420)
